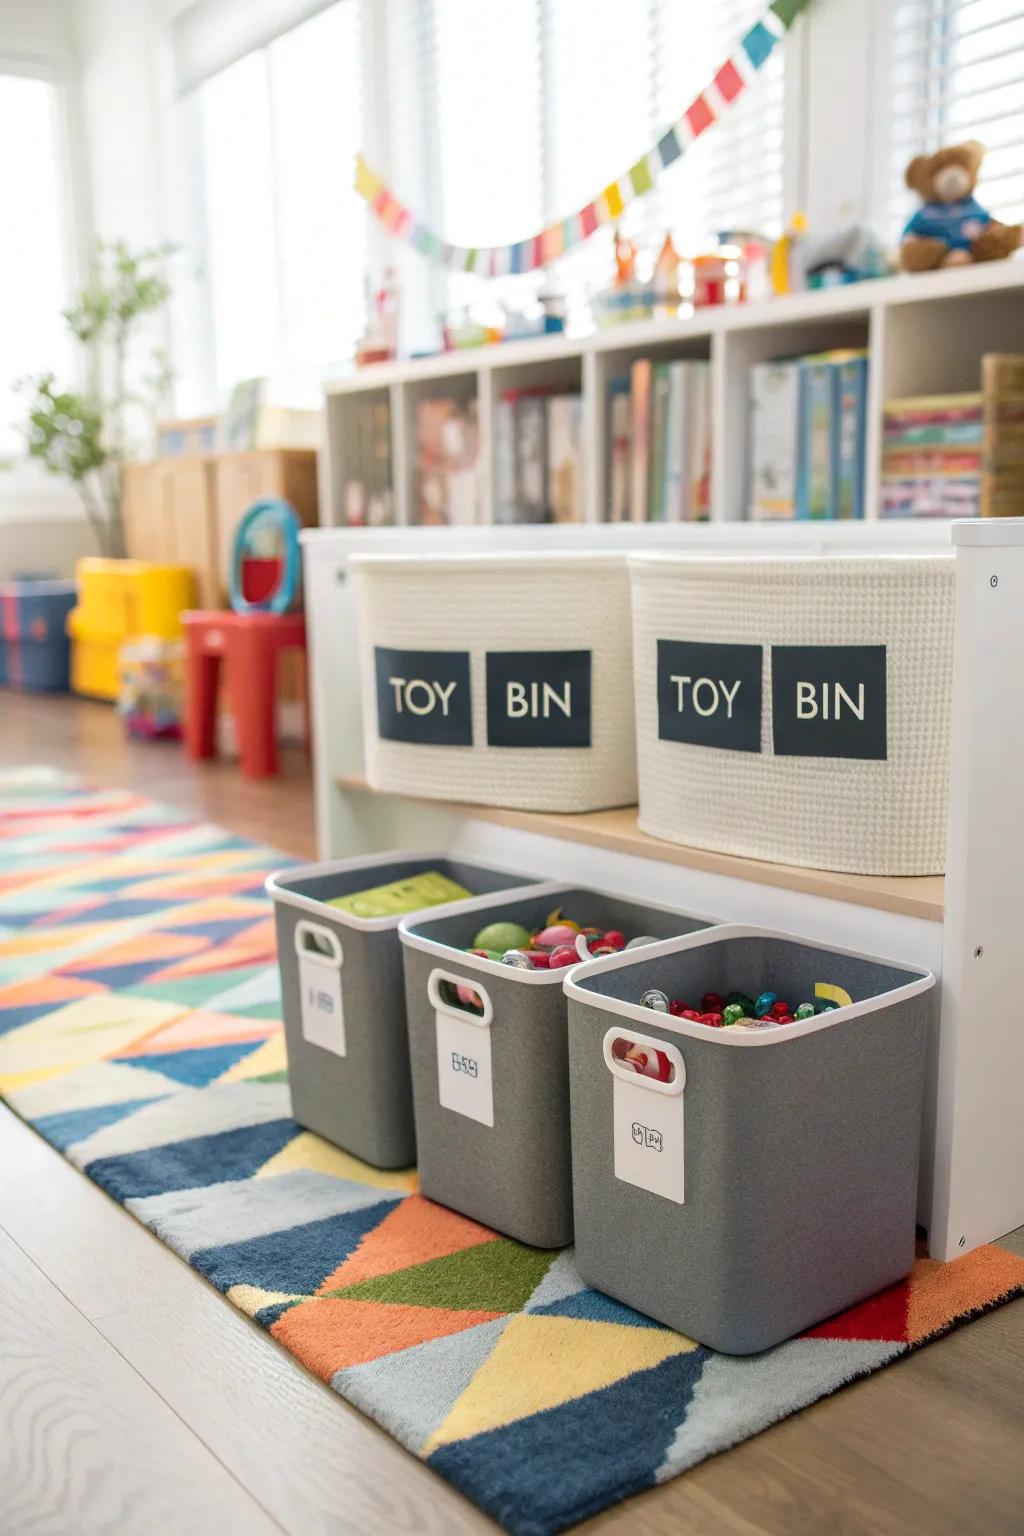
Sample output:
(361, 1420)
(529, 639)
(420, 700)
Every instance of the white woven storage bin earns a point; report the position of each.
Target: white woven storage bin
(502, 680)
(849, 660)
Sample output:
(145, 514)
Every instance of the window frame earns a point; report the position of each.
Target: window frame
(26, 488)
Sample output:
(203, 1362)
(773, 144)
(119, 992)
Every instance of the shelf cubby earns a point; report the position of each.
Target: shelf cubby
(924, 333)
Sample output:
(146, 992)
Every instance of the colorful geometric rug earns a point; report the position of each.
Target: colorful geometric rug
(139, 1034)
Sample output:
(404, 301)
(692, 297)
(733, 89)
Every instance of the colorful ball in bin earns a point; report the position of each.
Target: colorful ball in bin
(502, 936)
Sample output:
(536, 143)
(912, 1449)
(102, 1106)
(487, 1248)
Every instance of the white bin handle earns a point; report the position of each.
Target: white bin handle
(434, 993)
(627, 1074)
(304, 930)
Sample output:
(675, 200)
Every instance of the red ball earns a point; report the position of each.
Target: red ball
(712, 1002)
(615, 938)
(778, 1009)
(563, 955)
(538, 958)
(785, 1018)
(714, 1018)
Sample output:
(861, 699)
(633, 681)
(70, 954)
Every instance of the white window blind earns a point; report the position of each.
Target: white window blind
(285, 234)
(955, 71)
(33, 279)
(540, 103)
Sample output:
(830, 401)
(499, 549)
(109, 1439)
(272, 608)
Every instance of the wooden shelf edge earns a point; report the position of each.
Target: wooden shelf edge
(921, 896)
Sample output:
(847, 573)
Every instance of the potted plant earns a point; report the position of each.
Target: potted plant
(84, 434)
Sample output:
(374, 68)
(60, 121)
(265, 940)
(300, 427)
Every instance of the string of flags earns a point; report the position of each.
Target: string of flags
(728, 83)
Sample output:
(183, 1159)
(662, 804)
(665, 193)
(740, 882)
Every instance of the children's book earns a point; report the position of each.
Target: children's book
(640, 394)
(620, 420)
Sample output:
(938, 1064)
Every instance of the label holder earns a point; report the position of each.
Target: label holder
(321, 959)
(647, 1119)
(464, 1078)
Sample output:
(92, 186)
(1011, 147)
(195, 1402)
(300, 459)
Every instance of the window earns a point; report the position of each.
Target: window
(540, 105)
(285, 234)
(33, 276)
(490, 119)
(955, 70)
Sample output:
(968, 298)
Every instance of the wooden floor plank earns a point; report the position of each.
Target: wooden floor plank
(86, 1447)
(315, 1463)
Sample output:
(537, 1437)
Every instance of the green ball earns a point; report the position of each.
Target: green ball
(502, 936)
(826, 1007)
(733, 1013)
(742, 1001)
(805, 1011)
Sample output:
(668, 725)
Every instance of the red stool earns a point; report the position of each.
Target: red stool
(249, 644)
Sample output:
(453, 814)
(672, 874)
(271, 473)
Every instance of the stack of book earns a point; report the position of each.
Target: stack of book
(1002, 478)
(931, 456)
(538, 457)
(806, 437)
(447, 463)
(366, 460)
(659, 462)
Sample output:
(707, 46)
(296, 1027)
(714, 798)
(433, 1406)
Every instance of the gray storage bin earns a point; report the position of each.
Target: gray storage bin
(493, 1130)
(772, 1182)
(348, 1059)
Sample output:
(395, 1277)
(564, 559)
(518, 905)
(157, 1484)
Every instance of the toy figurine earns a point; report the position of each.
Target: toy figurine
(951, 228)
(625, 261)
(666, 280)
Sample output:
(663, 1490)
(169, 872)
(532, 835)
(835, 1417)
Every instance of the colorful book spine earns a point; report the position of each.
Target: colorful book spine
(565, 468)
(620, 424)
(640, 395)
(816, 481)
(851, 433)
(699, 446)
(773, 467)
(657, 472)
(531, 460)
(1002, 480)
(677, 488)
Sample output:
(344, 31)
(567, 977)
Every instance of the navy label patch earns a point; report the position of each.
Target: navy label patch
(538, 698)
(423, 697)
(829, 701)
(710, 695)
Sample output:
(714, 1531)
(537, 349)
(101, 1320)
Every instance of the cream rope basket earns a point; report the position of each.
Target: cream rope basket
(500, 680)
(796, 709)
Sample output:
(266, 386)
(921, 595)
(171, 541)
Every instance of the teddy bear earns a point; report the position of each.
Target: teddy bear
(951, 228)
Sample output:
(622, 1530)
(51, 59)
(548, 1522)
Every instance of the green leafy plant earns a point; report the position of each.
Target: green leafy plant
(85, 435)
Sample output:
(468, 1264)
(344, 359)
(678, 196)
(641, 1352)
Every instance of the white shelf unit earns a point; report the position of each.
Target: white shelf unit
(972, 1170)
(925, 334)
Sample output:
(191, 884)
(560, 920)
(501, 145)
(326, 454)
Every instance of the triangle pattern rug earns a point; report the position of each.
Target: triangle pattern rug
(138, 994)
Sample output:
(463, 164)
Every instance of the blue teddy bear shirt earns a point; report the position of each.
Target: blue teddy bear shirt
(957, 224)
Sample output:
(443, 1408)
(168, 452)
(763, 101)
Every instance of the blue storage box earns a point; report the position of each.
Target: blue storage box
(34, 647)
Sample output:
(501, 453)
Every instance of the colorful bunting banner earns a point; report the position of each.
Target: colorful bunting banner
(726, 86)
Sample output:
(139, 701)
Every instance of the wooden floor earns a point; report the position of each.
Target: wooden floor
(135, 1400)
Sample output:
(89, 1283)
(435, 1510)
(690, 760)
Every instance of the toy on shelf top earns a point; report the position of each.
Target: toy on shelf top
(266, 572)
(951, 228)
(379, 342)
(800, 260)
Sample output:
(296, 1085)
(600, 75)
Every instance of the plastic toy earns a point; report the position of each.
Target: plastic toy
(151, 695)
(666, 280)
(625, 261)
(951, 228)
(267, 524)
(738, 1011)
(558, 942)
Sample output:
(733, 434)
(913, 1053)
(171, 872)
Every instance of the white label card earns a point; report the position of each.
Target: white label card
(464, 1082)
(323, 1016)
(647, 1123)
